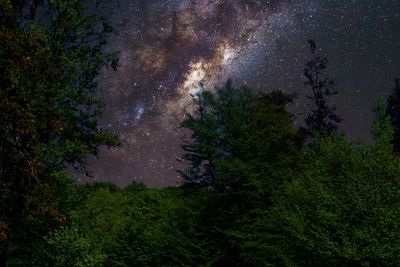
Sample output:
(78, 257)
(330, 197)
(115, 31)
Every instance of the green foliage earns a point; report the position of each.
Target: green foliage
(382, 129)
(131, 227)
(337, 207)
(240, 139)
(150, 237)
(50, 55)
(68, 247)
(244, 148)
(342, 210)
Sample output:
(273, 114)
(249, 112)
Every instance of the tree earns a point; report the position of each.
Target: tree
(236, 132)
(322, 118)
(341, 209)
(243, 149)
(394, 111)
(50, 55)
(134, 226)
(69, 247)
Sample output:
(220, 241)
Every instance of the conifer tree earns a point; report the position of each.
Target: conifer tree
(394, 111)
(322, 118)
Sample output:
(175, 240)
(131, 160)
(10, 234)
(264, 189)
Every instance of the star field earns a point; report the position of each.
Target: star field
(169, 48)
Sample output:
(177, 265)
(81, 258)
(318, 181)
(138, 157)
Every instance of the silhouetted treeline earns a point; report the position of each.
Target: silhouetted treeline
(256, 194)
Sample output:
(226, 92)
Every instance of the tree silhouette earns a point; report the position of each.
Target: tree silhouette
(322, 118)
(238, 139)
(394, 111)
(48, 114)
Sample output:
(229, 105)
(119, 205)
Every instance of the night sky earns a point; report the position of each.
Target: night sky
(169, 47)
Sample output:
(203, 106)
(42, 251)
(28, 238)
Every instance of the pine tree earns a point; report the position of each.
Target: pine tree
(322, 118)
(394, 111)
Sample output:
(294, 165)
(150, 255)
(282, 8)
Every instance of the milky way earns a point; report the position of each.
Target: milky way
(170, 50)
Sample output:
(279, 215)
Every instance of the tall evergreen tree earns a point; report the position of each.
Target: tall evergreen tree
(322, 118)
(243, 149)
(394, 111)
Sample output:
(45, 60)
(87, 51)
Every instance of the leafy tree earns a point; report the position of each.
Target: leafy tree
(341, 209)
(69, 247)
(322, 118)
(50, 55)
(135, 226)
(156, 233)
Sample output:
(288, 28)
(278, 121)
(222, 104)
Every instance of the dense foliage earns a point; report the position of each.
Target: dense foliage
(258, 190)
(240, 139)
(328, 202)
(50, 55)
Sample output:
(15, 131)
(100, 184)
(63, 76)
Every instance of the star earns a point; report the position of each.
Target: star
(172, 50)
